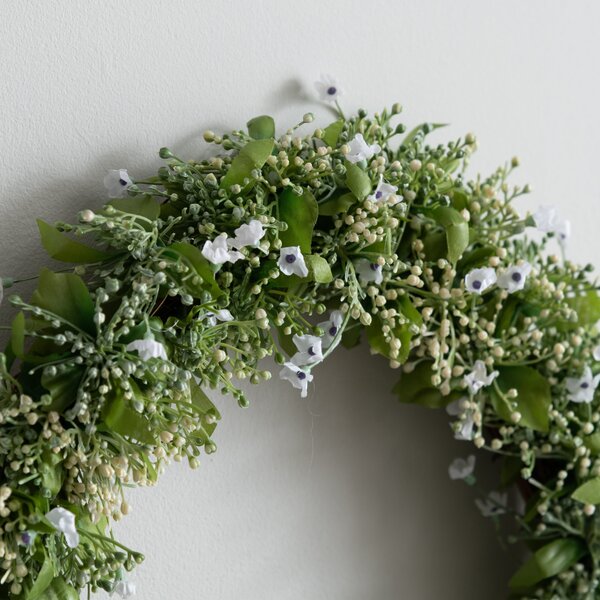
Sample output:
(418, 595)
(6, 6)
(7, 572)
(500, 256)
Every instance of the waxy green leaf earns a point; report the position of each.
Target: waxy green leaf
(59, 589)
(261, 128)
(318, 268)
(43, 580)
(119, 417)
(331, 133)
(142, 206)
(336, 205)
(416, 388)
(588, 492)
(457, 231)
(358, 181)
(300, 213)
(194, 259)
(252, 156)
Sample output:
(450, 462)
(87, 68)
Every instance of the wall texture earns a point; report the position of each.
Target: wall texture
(343, 495)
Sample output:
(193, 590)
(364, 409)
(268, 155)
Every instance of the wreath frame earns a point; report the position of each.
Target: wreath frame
(195, 275)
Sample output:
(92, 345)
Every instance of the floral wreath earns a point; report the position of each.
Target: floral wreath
(286, 247)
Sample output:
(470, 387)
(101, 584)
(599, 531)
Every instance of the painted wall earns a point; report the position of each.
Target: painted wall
(343, 495)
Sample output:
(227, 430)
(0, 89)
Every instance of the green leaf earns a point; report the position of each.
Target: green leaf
(192, 256)
(300, 213)
(533, 401)
(351, 336)
(59, 589)
(593, 443)
(409, 311)
(318, 268)
(261, 128)
(476, 258)
(63, 387)
(588, 492)
(331, 133)
(416, 388)
(421, 131)
(357, 181)
(17, 338)
(548, 561)
(335, 206)
(65, 295)
(206, 406)
(587, 307)
(457, 231)
(52, 474)
(43, 579)
(252, 156)
(119, 417)
(379, 345)
(142, 206)
(61, 247)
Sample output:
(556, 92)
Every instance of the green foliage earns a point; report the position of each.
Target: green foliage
(61, 247)
(261, 128)
(588, 492)
(252, 156)
(300, 214)
(357, 181)
(457, 231)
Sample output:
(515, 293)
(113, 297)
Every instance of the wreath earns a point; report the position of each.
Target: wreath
(286, 247)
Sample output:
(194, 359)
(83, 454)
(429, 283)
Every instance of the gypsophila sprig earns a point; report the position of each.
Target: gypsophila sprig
(286, 247)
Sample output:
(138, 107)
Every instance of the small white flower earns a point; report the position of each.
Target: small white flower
(360, 150)
(117, 182)
(125, 589)
(310, 350)
(478, 377)
(291, 261)
(217, 252)
(248, 234)
(545, 218)
(596, 353)
(331, 327)
(582, 389)
(369, 271)
(147, 348)
(494, 505)
(479, 280)
(513, 279)
(465, 432)
(328, 88)
(461, 469)
(297, 376)
(383, 192)
(563, 230)
(222, 315)
(63, 520)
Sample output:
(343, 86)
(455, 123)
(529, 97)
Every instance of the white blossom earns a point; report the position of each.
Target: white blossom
(384, 191)
(596, 353)
(63, 520)
(117, 182)
(125, 589)
(465, 431)
(547, 220)
(461, 468)
(479, 280)
(310, 350)
(563, 230)
(147, 348)
(582, 389)
(328, 88)
(513, 279)
(222, 315)
(217, 251)
(478, 377)
(369, 271)
(248, 234)
(331, 327)
(291, 261)
(298, 377)
(494, 505)
(360, 150)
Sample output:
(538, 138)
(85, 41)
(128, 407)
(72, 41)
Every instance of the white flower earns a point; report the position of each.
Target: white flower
(360, 150)
(582, 389)
(494, 505)
(297, 376)
(125, 589)
(369, 271)
(479, 280)
(291, 261)
(513, 279)
(248, 234)
(563, 230)
(478, 377)
(465, 432)
(217, 252)
(328, 88)
(220, 315)
(310, 349)
(147, 348)
(383, 192)
(117, 182)
(64, 521)
(596, 353)
(331, 327)
(460, 468)
(547, 220)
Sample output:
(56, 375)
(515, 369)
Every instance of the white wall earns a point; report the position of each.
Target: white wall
(344, 495)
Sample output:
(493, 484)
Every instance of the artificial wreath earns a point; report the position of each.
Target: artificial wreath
(286, 247)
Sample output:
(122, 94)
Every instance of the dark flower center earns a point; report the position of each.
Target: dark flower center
(516, 277)
(477, 284)
(26, 538)
(311, 351)
(331, 90)
(332, 330)
(122, 182)
(301, 375)
(378, 195)
(374, 266)
(290, 258)
(585, 385)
